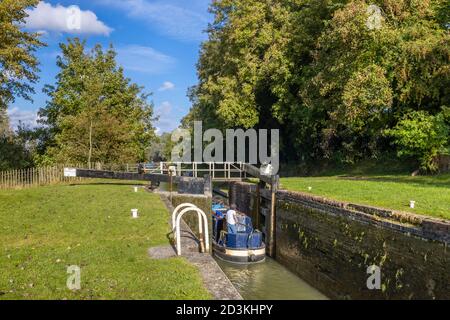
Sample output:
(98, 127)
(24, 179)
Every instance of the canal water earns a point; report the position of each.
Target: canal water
(268, 281)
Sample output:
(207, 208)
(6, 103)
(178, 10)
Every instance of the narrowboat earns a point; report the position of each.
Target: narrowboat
(246, 246)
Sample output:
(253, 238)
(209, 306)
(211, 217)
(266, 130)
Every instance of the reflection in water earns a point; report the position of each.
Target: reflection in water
(268, 281)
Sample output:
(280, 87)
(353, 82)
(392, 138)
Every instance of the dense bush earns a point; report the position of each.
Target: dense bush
(421, 135)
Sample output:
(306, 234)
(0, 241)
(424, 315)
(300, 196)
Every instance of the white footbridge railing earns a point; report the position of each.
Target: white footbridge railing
(218, 171)
(202, 226)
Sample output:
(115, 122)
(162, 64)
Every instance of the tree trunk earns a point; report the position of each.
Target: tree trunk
(90, 146)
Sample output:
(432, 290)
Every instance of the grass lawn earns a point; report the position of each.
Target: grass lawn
(45, 230)
(431, 193)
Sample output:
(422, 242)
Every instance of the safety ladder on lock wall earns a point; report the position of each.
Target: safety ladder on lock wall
(202, 226)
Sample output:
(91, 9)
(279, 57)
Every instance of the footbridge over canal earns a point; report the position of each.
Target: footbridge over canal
(218, 171)
(179, 172)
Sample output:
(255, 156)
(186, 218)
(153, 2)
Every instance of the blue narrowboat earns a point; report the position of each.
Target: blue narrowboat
(243, 247)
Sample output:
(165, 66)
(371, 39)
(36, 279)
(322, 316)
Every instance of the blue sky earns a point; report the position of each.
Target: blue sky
(157, 41)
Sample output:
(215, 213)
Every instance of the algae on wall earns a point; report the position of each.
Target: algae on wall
(333, 253)
(331, 245)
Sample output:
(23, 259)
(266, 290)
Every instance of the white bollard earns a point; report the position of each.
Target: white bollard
(135, 189)
(134, 213)
(412, 204)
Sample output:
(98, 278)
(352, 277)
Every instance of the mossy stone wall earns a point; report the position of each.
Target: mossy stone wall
(331, 244)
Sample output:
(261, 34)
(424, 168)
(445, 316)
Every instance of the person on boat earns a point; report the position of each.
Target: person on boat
(232, 219)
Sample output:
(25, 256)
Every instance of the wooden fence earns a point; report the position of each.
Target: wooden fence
(31, 177)
(41, 176)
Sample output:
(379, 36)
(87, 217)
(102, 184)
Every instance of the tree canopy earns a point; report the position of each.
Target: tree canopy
(18, 65)
(333, 75)
(18, 73)
(95, 113)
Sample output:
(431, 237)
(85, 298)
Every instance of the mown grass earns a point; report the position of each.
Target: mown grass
(45, 230)
(431, 193)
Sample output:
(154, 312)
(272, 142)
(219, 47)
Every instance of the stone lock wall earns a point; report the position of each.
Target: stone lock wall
(331, 244)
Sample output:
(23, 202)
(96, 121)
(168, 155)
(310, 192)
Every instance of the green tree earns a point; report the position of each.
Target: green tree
(95, 113)
(254, 65)
(5, 128)
(18, 65)
(421, 135)
(364, 79)
(161, 148)
(14, 153)
(321, 72)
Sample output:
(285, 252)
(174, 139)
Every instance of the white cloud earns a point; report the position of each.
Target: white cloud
(45, 17)
(168, 119)
(167, 86)
(144, 59)
(164, 109)
(26, 117)
(184, 20)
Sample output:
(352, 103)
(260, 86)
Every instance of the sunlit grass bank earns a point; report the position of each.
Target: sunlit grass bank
(45, 230)
(431, 193)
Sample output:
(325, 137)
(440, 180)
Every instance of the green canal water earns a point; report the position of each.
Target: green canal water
(268, 281)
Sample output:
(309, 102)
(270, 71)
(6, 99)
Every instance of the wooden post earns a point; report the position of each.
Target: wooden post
(171, 186)
(272, 218)
(258, 203)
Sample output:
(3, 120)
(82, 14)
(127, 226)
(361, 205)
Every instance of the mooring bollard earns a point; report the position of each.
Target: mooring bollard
(134, 213)
(412, 204)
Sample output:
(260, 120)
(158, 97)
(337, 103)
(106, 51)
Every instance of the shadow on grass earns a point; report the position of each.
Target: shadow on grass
(184, 235)
(106, 184)
(389, 164)
(424, 181)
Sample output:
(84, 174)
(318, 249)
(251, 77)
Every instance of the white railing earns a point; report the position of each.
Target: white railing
(202, 225)
(225, 171)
